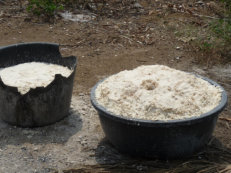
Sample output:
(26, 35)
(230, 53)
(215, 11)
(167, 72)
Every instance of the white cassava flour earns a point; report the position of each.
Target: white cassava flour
(31, 75)
(157, 92)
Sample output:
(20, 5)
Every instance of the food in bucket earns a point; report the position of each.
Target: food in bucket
(31, 75)
(157, 92)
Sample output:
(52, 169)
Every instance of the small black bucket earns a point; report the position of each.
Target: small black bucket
(159, 139)
(43, 105)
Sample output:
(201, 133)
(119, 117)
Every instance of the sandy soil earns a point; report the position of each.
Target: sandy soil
(104, 46)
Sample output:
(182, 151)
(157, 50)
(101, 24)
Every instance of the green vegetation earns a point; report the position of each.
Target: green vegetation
(206, 46)
(227, 4)
(46, 7)
(214, 38)
(222, 29)
(49, 8)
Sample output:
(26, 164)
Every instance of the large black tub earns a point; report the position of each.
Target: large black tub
(159, 139)
(42, 105)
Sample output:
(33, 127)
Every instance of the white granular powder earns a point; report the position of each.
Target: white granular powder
(31, 75)
(157, 92)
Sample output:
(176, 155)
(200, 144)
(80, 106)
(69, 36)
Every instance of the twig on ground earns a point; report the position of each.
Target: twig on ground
(225, 119)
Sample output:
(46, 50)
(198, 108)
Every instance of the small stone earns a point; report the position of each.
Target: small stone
(141, 168)
(200, 2)
(81, 94)
(42, 159)
(137, 5)
(29, 136)
(177, 48)
(23, 148)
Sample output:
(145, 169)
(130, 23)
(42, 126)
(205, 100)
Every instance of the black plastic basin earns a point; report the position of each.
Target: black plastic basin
(159, 139)
(42, 105)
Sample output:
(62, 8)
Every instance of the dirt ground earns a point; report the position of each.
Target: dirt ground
(144, 34)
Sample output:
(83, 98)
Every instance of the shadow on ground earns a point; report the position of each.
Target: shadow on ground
(59, 132)
(214, 157)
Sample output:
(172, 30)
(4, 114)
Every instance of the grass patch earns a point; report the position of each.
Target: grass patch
(222, 29)
(48, 8)
(212, 38)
